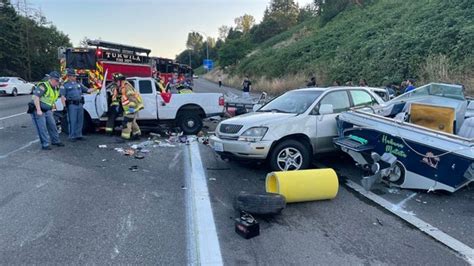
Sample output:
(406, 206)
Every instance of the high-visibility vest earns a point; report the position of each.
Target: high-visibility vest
(50, 94)
(130, 98)
(115, 96)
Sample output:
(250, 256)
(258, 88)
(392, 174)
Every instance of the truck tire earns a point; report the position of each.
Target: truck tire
(190, 123)
(259, 203)
(290, 155)
(88, 126)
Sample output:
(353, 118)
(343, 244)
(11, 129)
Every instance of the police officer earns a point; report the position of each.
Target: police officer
(45, 95)
(71, 96)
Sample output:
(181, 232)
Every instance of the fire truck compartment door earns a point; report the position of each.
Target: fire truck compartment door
(101, 104)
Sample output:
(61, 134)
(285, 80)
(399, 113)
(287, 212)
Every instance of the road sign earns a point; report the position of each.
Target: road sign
(208, 64)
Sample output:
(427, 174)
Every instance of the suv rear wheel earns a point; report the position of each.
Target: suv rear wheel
(290, 155)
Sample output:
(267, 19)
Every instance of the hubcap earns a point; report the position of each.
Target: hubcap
(190, 123)
(289, 159)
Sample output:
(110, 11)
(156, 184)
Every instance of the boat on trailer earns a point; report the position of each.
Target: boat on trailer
(423, 139)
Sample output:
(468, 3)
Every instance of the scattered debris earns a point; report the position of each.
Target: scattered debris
(155, 135)
(104, 160)
(129, 152)
(119, 150)
(184, 187)
(102, 146)
(145, 151)
(212, 179)
(139, 156)
(247, 226)
(379, 221)
(133, 168)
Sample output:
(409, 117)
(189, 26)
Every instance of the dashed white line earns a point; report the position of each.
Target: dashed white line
(11, 116)
(19, 149)
(464, 250)
(203, 243)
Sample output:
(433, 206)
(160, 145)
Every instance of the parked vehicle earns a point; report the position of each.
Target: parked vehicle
(15, 86)
(186, 111)
(291, 128)
(429, 131)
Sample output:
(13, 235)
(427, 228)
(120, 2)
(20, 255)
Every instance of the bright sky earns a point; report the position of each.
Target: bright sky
(160, 25)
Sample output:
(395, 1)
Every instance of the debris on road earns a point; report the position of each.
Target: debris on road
(139, 156)
(184, 187)
(304, 185)
(247, 226)
(102, 146)
(259, 203)
(133, 168)
(129, 152)
(212, 179)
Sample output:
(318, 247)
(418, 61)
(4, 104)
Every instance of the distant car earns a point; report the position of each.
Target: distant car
(15, 86)
(195, 76)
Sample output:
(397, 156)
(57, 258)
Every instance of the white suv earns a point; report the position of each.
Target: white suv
(290, 129)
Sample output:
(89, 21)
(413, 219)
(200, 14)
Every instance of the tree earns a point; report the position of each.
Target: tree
(194, 41)
(223, 31)
(244, 23)
(234, 50)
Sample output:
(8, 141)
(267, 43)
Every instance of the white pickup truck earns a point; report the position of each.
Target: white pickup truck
(291, 128)
(186, 111)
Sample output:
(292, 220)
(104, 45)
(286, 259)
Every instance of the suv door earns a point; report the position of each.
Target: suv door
(361, 98)
(326, 128)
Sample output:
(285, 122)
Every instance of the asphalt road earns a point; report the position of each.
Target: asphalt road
(81, 204)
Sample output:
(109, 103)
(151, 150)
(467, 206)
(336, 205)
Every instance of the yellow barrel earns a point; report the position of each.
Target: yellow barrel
(304, 185)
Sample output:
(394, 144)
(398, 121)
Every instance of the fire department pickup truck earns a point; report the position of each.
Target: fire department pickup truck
(186, 111)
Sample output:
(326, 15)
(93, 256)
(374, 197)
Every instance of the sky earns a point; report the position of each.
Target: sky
(160, 25)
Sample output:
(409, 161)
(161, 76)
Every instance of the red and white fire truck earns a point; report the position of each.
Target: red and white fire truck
(90, 63)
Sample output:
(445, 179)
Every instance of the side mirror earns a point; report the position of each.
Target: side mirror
(326, 109)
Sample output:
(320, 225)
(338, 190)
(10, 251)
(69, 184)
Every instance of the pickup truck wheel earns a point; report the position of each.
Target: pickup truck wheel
(190, 123)
(290, 155)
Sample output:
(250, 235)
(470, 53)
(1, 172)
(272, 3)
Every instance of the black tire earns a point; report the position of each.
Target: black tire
(14, 92)
(190, 123)
(292, 145)
(259, 203)
(64, 123)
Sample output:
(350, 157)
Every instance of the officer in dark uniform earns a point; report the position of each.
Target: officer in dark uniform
(71, 96)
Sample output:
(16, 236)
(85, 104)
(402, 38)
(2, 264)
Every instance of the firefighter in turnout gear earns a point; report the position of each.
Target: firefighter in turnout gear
(132, 103)
(115, 108)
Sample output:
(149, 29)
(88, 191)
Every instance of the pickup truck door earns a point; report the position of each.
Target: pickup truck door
(326, 127)
(148, 92)
(101, 105)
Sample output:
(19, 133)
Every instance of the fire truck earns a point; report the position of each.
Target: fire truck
(91, 62)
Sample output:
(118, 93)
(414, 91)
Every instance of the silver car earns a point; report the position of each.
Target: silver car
(290, 129)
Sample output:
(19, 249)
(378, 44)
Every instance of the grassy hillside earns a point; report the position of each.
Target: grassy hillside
(382, 41)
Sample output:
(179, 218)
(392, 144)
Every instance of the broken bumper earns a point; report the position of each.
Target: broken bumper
(240, 149)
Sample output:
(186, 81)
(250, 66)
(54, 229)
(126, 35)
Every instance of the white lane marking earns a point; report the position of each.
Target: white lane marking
(11, 116)
(464, 250)
(19, 149)
(203, 244)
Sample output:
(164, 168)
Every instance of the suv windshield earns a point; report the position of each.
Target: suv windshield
(292, 102)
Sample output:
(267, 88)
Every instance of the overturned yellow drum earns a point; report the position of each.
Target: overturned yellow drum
(304, 185)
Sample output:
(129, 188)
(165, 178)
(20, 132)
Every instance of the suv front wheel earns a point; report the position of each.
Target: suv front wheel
(290, 155)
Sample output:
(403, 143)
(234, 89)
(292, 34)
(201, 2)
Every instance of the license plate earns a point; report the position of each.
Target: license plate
(218, 147)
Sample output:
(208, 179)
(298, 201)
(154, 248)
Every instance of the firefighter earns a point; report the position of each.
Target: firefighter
(45, 95)
(71, 97)
(115, 108)
(132, 103)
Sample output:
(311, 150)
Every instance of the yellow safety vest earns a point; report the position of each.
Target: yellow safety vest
(50, 94)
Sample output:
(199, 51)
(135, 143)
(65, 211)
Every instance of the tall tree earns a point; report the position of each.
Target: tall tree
(195, 41)
(244, 23)
(223, 32)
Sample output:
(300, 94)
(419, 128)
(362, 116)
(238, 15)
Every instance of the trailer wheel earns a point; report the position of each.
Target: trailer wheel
(398, 174)
(259, 203)
(190, 123)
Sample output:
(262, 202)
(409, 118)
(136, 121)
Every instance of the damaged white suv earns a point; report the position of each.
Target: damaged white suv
(290, 129)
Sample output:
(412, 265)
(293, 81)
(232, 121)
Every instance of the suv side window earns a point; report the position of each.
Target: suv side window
(145, 87)
(339, 100)
(362, 98)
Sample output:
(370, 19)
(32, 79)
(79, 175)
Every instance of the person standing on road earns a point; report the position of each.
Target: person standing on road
(220, 80)
(71, 97)
(246, 87)
(45, 95)
(410, 85)
(131, 103)
(312, 82)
